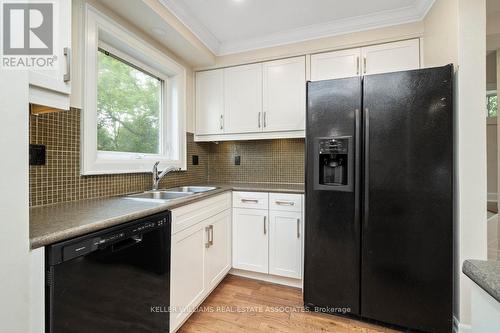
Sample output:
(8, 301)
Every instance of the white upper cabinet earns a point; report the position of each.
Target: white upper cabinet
(383, 58)
(53, 87)
(391, 57)
(284, 104)
(335, 65)
(243, 99)
(210, 102)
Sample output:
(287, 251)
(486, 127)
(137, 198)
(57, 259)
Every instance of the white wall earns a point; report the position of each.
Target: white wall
(454, 32)
(14, 237)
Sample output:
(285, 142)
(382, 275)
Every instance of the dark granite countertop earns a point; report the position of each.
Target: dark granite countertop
(486, 274)
(57, 222)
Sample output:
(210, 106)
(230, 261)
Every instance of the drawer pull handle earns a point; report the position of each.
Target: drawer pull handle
(250, 200)
(265, 228)
(285, 203)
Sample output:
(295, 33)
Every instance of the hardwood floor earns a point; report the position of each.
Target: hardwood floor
(245, 305)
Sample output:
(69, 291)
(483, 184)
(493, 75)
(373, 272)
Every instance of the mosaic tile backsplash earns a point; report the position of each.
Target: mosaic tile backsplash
(59, 180)
(262, 161)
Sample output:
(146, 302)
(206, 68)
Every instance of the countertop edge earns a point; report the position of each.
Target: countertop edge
(44, 240)
(489, 281)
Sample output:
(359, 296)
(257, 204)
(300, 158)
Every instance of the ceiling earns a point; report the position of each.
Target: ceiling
(230, 26)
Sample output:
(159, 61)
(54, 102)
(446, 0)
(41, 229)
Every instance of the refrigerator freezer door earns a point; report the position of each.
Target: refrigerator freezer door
(406, 271)
(332, 248)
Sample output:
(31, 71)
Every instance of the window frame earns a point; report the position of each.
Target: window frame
(101, 32)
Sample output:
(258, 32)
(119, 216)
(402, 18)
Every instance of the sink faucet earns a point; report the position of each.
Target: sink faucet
(158, 176)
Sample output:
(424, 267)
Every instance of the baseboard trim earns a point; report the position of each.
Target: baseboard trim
(297, 283)
(458, 327)
(492, 197)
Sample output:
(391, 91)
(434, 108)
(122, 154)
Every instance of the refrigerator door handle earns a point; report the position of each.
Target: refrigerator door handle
(366, 184)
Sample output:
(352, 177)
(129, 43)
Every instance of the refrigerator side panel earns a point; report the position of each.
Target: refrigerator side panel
(407, 228)
(332, 235)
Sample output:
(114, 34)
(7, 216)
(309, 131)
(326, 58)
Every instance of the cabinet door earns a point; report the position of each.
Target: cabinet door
(187, 277)
(391, 57)
(285, 244)
(53, 87)
(210, 102)
(243, 99)
(218, 252)
(250, 239)
(284, 95)
(336, 65)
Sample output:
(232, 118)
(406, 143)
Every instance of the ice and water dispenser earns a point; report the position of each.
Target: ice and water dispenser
(334, 164)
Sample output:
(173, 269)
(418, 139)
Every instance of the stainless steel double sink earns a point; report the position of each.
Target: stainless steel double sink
(169, 194)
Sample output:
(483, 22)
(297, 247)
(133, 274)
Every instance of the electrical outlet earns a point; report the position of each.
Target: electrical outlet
(196, 160)
(237, 160)
(37, 154)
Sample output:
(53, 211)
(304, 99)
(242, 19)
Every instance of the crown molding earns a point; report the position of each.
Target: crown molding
(192, 23)
(376, 20)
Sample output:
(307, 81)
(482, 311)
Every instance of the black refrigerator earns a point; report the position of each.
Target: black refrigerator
(379, 198)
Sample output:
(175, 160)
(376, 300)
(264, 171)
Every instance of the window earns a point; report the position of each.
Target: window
(491, 104)
(133, 104)
(128, 107)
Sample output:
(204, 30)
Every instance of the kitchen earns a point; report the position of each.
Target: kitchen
(249, 167)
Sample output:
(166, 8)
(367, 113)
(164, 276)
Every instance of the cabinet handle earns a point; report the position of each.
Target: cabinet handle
(67, 54)
(364, 64)
(258, 119)
(265, 121)
(265, 228)
(211, 234)
(285, 203)
(357, 65)
(250, 201)
(221, 122)
(298, 228)
(207, 230)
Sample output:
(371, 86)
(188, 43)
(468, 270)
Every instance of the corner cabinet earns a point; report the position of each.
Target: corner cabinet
(200, 254)
(256, 101)
(52, 88)
(210, 102)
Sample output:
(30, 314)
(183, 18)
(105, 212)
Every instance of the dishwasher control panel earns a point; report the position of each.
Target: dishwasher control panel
(68, 250)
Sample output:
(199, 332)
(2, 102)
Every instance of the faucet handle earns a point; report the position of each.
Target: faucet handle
(155, 166)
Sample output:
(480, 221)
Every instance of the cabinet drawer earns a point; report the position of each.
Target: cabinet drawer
(186, 216)
(285, 202)
(256, 200)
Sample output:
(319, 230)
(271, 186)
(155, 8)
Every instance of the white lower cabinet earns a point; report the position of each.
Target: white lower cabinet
(268, 241)
(285, 244)
(250, 239)
(200, 254)
(187, 278)
(218, 248)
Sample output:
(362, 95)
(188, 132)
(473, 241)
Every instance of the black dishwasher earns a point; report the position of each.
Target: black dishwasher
(113, 280)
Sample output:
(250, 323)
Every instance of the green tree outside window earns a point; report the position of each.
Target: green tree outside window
(492, 105)
(128, 107)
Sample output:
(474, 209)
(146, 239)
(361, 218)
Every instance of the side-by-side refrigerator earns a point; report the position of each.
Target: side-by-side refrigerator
(379, 198)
